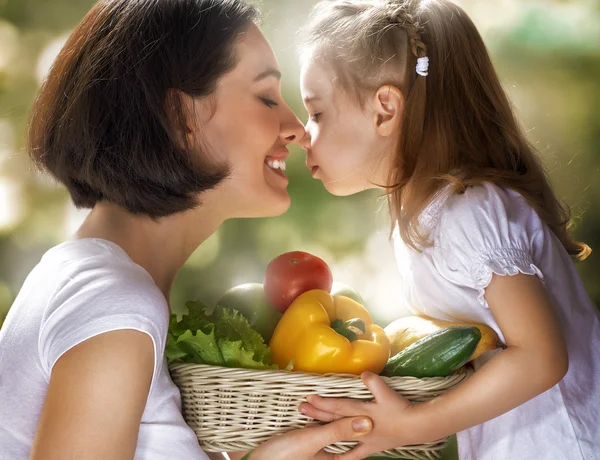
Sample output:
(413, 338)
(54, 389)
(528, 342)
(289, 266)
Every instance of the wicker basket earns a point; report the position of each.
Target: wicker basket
(233, 410)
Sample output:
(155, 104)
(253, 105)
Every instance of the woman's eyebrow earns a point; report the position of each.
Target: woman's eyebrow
(270, 72)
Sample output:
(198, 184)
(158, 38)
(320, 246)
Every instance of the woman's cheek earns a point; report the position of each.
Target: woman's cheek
(266, 127)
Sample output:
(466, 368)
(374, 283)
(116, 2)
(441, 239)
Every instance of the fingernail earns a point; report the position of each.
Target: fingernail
(361, 425)
(308, 398)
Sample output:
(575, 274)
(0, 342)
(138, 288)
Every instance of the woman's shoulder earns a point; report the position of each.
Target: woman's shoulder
(99, 273)
(95, 258)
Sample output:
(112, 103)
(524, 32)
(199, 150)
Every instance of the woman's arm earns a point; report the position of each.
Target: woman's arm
(535, 360)
(96, 397)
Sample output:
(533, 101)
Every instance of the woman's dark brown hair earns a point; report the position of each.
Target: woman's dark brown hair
(457, 119)
(105, 122)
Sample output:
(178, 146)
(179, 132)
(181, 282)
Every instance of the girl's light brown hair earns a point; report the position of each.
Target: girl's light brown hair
(458, 126)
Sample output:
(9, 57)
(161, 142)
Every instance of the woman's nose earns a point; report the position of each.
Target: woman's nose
(292, 129)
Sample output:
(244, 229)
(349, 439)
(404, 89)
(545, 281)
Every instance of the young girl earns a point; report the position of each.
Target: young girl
(402, 95)
(136, 120)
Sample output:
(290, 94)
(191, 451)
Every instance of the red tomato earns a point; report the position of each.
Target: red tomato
(292, 274)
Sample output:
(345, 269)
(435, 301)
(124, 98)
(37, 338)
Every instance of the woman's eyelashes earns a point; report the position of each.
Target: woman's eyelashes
(269, 102)
(314, 117)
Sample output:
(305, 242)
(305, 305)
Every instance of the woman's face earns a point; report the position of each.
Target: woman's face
(247, 123)
(341, 144)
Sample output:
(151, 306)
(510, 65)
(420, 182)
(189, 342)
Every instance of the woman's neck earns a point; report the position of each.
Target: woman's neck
(160, 247)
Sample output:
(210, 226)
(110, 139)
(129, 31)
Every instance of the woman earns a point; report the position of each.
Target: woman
(165, 118)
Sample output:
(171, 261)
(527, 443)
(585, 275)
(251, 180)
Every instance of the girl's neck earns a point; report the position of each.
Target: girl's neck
(161, 247)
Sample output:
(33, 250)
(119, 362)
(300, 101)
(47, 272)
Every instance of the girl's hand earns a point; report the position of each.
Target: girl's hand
(535, 360)
(308, 443)
(389, 411)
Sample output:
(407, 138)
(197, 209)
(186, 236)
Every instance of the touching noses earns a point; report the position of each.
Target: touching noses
(292, 129)
(305, 141)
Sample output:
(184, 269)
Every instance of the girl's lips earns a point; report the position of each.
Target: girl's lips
(314, 170)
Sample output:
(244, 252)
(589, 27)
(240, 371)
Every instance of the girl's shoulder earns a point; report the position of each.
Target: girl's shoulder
(485, 222)
(487, 208)
(486, 229)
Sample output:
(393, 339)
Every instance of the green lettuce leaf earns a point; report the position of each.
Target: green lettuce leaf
(172, 351)
(222, 338)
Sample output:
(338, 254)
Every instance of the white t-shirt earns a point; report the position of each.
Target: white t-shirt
(81, 289)
(490, 230)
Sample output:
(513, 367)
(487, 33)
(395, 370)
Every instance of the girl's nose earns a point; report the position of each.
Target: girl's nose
(305, 140)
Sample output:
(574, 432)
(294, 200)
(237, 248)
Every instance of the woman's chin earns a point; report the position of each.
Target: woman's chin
(281, 207)
(271, 206)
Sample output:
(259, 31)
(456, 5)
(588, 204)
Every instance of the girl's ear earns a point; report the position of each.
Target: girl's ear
(388, 105)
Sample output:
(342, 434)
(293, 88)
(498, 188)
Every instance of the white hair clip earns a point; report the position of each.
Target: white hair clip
(423, 66)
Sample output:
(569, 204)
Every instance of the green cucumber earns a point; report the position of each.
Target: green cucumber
(437, 355)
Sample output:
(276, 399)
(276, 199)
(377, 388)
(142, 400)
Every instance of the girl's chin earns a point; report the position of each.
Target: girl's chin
(340, 189)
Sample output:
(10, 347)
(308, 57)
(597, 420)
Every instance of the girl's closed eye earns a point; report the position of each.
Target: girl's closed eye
(269, 102)
(315, 117)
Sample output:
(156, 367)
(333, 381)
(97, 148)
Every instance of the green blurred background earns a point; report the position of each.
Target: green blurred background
(548, 56)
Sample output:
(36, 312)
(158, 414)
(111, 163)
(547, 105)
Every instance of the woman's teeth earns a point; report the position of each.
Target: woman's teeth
(276, 164)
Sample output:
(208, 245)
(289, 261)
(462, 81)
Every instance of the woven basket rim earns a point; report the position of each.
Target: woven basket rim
(180, 365)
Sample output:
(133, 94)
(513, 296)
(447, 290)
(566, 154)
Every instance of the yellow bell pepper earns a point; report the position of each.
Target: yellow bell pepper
(322, 333)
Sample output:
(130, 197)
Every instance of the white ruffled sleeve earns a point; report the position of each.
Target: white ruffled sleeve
(485, 231)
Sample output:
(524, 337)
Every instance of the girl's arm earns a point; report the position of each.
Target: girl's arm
(535, 360)
(95, 400)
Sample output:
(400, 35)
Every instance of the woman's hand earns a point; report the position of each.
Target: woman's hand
(389, 412)
(308, 443)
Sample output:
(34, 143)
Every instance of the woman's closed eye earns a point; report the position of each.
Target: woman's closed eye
(269, 102)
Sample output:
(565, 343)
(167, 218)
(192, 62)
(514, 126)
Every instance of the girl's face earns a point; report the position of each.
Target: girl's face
(343, 147)
(246, 123)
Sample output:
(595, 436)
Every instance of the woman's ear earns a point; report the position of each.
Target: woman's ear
(179, 107)
(389, 107)
(186, 114)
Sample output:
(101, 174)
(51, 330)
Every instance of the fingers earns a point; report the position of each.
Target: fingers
(310, 411)
(345, 429)
(338, 406)
(358, 453)
(378, 388)
(309, 442)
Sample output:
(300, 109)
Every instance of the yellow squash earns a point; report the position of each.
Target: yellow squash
(406, 331)
(322, 333)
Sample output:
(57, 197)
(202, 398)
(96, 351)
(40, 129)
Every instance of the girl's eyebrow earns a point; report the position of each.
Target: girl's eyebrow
(309, 99)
